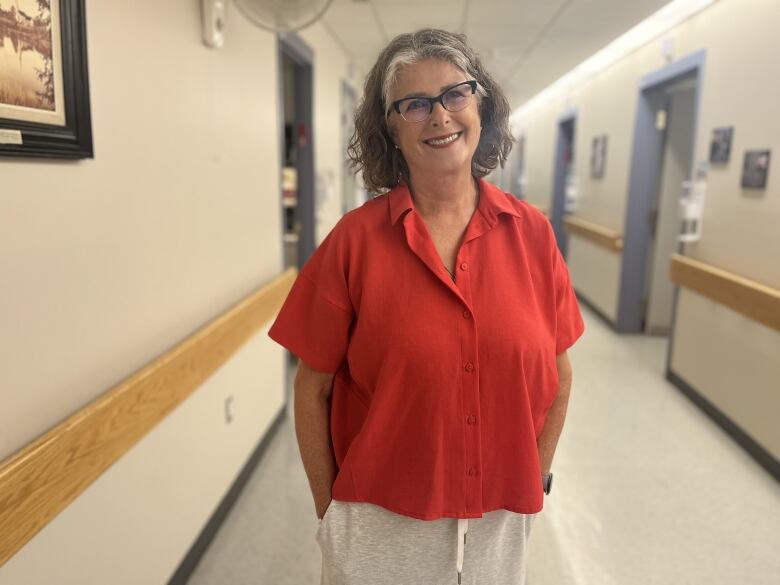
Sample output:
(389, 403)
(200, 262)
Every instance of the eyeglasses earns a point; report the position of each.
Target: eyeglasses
(418, 109)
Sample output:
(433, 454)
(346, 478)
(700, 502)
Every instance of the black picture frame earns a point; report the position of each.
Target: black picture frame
(720, 146)
(74, 139)
(755, 169)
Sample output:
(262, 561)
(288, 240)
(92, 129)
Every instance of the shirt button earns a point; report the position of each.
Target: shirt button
(467, 314)
(472, 471)
(471, 419)
(464, 266)
(469, 367)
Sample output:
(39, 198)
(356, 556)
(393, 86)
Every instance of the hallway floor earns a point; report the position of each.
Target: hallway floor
(648, 490)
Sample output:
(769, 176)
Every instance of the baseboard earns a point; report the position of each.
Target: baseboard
(659, 331)
(761, 455)
(193, 556)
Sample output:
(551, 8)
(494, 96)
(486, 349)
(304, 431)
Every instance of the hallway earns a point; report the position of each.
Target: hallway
(648, 490)
(156, 220)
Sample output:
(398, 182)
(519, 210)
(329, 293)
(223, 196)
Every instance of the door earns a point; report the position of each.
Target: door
(676, 165)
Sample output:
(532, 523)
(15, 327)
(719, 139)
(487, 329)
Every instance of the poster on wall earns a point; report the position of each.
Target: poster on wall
(755, 169)
(691, 211)
(44, 89)
(598, 156)
(720, 147)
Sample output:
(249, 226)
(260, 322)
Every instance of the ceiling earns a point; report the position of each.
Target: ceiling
(525, 44)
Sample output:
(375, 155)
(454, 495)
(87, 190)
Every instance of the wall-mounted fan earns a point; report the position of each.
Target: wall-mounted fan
(283, 15)
(272, 15)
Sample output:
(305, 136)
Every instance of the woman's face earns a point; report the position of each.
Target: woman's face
(430, 78)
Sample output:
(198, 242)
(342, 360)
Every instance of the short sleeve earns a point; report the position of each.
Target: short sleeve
(569, 325)
(315, 319)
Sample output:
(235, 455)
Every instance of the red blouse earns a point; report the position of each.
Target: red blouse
(441, 388)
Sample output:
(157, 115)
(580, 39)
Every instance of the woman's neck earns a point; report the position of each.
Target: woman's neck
(451, 195)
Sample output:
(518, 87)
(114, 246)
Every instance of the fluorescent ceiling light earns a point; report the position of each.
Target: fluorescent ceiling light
(650, 28)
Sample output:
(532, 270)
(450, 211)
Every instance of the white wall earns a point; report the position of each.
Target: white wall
(107, 263)
(596, 270)
(739, 88)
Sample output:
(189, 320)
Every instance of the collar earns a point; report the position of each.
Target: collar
(492, 202)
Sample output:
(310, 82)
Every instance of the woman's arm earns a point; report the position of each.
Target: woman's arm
(312, 427)
(553, 424)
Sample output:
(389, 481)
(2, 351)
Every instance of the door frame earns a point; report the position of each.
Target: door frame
(557, 208)
(646, 160)
(293, 47)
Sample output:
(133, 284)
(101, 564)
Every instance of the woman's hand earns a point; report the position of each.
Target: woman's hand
(322, 508)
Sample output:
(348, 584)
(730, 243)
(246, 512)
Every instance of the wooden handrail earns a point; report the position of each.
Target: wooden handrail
(599, 235)
(39, 481)
(748, 297)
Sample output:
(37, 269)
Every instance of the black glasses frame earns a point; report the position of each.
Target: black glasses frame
(432, 101)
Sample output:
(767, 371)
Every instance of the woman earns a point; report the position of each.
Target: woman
(432, 326)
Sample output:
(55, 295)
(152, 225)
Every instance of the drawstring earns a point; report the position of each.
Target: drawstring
(463, 528)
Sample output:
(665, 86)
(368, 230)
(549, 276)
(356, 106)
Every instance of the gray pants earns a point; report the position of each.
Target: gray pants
(364, 544)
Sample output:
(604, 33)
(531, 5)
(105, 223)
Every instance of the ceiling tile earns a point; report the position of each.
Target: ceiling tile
(525, 44)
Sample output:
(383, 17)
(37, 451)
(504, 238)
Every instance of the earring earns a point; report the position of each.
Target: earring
(396, 146)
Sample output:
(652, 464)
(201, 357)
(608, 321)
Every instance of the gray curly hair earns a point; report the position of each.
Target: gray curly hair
(371, 148)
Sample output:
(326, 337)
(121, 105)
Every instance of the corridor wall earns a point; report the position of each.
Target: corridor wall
(107, 263)
(727, 358)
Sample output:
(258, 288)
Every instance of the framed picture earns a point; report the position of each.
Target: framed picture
(720, 147)
(755, 169)
(598, 156)
(44, 85)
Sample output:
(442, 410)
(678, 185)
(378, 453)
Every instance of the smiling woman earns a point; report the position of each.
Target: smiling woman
(372, 146)
(432, 326)
(435, 141)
